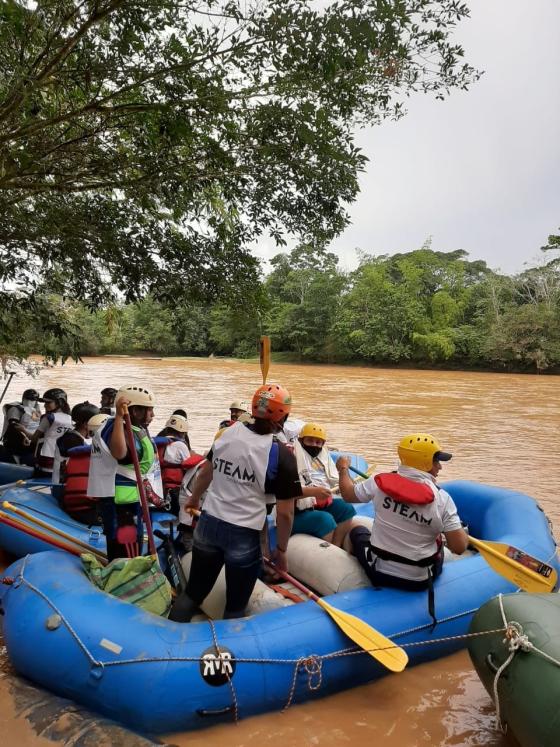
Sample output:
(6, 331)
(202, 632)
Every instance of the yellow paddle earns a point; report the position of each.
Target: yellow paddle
(523, 570)
(372, 641)
(265, 356)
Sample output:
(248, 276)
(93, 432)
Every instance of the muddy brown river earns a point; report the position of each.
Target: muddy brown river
(502, 429)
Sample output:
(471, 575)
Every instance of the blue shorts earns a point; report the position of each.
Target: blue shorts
(322, 521)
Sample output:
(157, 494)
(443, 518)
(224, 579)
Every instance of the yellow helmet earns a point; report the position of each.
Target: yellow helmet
(420, 450)
(137, 395)
(313, 431)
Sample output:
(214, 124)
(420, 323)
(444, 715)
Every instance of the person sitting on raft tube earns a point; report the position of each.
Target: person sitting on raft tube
(112, 479)
(244, 464)
(330, 520)
(236, 409)
(20, 418)
(53, 424)
(76, 436)
(404, 549)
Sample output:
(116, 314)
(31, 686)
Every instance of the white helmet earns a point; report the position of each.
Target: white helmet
(239, 404)
(137, 395)
(178, 423)
(96, 421)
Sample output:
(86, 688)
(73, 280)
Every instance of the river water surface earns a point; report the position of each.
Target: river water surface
(502, 429)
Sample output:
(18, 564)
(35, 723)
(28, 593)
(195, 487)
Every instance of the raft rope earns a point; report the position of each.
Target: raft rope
(516, 640)
(310, 665)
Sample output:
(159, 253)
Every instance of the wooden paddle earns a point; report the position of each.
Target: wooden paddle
(140, 483)
(54, 530)
(264, 348)
(513, 564)
(377, 645)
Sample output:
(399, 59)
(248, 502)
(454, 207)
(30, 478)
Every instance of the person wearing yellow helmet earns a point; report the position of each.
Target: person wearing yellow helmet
(331, 519)
(404, 549)
(112, 479)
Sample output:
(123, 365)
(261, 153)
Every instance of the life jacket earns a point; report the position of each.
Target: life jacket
(74, 475)
(29, 416)
(319, 470)
(403, 490)
(109, 478)
(46, 447)
(171, 473)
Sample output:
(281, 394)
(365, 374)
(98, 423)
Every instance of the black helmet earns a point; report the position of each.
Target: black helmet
(109, 391)
(83, 411)
(54, 395)
(30, 394)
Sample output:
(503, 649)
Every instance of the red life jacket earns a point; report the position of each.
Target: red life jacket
(403, 490)
(75, 500)
(171, 473)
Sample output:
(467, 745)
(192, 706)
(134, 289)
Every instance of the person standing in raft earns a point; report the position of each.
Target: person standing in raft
(112, 479)
(330, 520)
(244, 464)
(404, 549)
(53, 424)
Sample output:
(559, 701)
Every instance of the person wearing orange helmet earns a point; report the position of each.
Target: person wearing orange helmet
(244, 464)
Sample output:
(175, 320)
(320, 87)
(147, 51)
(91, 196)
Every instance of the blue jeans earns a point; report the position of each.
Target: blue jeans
(218, 543)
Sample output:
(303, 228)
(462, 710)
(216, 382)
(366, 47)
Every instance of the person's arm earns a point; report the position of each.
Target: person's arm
(457, 541)
(345, 482)
(457, 538)
(201, 484)
(284, 523)
(40, 432)
(117, 442)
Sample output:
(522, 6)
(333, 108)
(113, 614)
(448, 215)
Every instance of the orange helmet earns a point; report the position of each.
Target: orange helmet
(271, 402)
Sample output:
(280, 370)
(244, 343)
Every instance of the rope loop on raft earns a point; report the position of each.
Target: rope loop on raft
(313, 667)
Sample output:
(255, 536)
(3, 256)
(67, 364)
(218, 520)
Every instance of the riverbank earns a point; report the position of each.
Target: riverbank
(281, 357)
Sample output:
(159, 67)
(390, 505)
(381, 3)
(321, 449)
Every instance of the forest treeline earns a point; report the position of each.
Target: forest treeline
(421, 308)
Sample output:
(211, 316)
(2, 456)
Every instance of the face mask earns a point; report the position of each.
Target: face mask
(313, 451)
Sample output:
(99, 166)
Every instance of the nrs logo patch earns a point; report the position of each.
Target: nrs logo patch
(217, 666)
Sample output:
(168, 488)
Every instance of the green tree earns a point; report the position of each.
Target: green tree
(144, 144)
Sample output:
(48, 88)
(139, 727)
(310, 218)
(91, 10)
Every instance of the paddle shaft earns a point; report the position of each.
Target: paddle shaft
(22, 527)
(54, 530)
(10, 377)
(264, 356)
(292, 580)
(140, 482)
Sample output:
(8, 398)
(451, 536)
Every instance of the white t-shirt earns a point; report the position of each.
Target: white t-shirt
(176, 452)
(407, 529)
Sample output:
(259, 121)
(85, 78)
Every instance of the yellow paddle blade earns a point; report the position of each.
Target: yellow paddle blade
(264, 356)
(523, 570)
(375, 643)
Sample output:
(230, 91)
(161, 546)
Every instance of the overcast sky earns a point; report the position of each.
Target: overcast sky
(479, 171)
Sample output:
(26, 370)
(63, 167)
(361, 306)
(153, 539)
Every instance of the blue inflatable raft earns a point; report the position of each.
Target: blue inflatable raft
(14, 472)
(160, 676)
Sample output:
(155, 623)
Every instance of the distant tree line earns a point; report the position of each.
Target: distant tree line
(421, 308)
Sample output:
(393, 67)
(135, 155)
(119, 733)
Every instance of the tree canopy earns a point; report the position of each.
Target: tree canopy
(144, 145)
